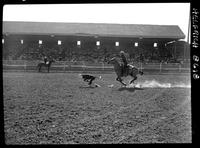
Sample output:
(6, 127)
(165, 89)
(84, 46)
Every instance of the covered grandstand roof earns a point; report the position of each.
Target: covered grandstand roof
(94, 29)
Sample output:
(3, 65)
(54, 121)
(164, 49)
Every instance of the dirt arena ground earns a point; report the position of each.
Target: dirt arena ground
(59, 108)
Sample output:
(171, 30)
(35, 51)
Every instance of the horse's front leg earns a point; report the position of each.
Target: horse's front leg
(134, 78)
(120, 80)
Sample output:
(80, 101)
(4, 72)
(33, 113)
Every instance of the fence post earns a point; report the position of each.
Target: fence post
(64, 66)
(83, 66)
(160, 67)
(69, 65)
(179, 67)
(103, 65)
(24, 65)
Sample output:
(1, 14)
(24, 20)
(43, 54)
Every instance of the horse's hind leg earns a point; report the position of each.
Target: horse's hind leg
(120, 80)
(135, 78)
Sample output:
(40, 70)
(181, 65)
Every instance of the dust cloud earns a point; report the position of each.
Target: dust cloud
(157, 84)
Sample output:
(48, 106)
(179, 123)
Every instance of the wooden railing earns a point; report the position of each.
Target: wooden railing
(84, 66)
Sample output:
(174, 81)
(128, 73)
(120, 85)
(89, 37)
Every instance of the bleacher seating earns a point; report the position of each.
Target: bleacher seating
(34, 52)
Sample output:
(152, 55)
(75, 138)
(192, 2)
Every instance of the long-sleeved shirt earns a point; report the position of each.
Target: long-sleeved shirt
(124, 59)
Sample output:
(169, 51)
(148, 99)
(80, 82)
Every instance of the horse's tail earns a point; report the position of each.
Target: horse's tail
(134, 71)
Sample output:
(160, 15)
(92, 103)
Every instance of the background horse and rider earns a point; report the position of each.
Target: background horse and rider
(46, 63)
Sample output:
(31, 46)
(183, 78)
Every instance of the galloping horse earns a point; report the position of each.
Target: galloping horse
(42, 64)
(130, 71)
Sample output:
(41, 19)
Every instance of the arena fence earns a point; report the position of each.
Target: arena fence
(64, 66)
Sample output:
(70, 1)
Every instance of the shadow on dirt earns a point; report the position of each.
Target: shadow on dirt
(87, 87)
(131, 89)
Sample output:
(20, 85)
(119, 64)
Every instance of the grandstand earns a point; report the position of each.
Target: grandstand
(93, 42)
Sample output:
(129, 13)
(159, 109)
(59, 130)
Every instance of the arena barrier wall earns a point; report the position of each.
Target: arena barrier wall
(65, 66)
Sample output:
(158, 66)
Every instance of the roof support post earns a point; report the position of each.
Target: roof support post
(175, 49)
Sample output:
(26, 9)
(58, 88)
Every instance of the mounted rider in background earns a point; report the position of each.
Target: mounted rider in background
(45, 59)
(124, 60)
